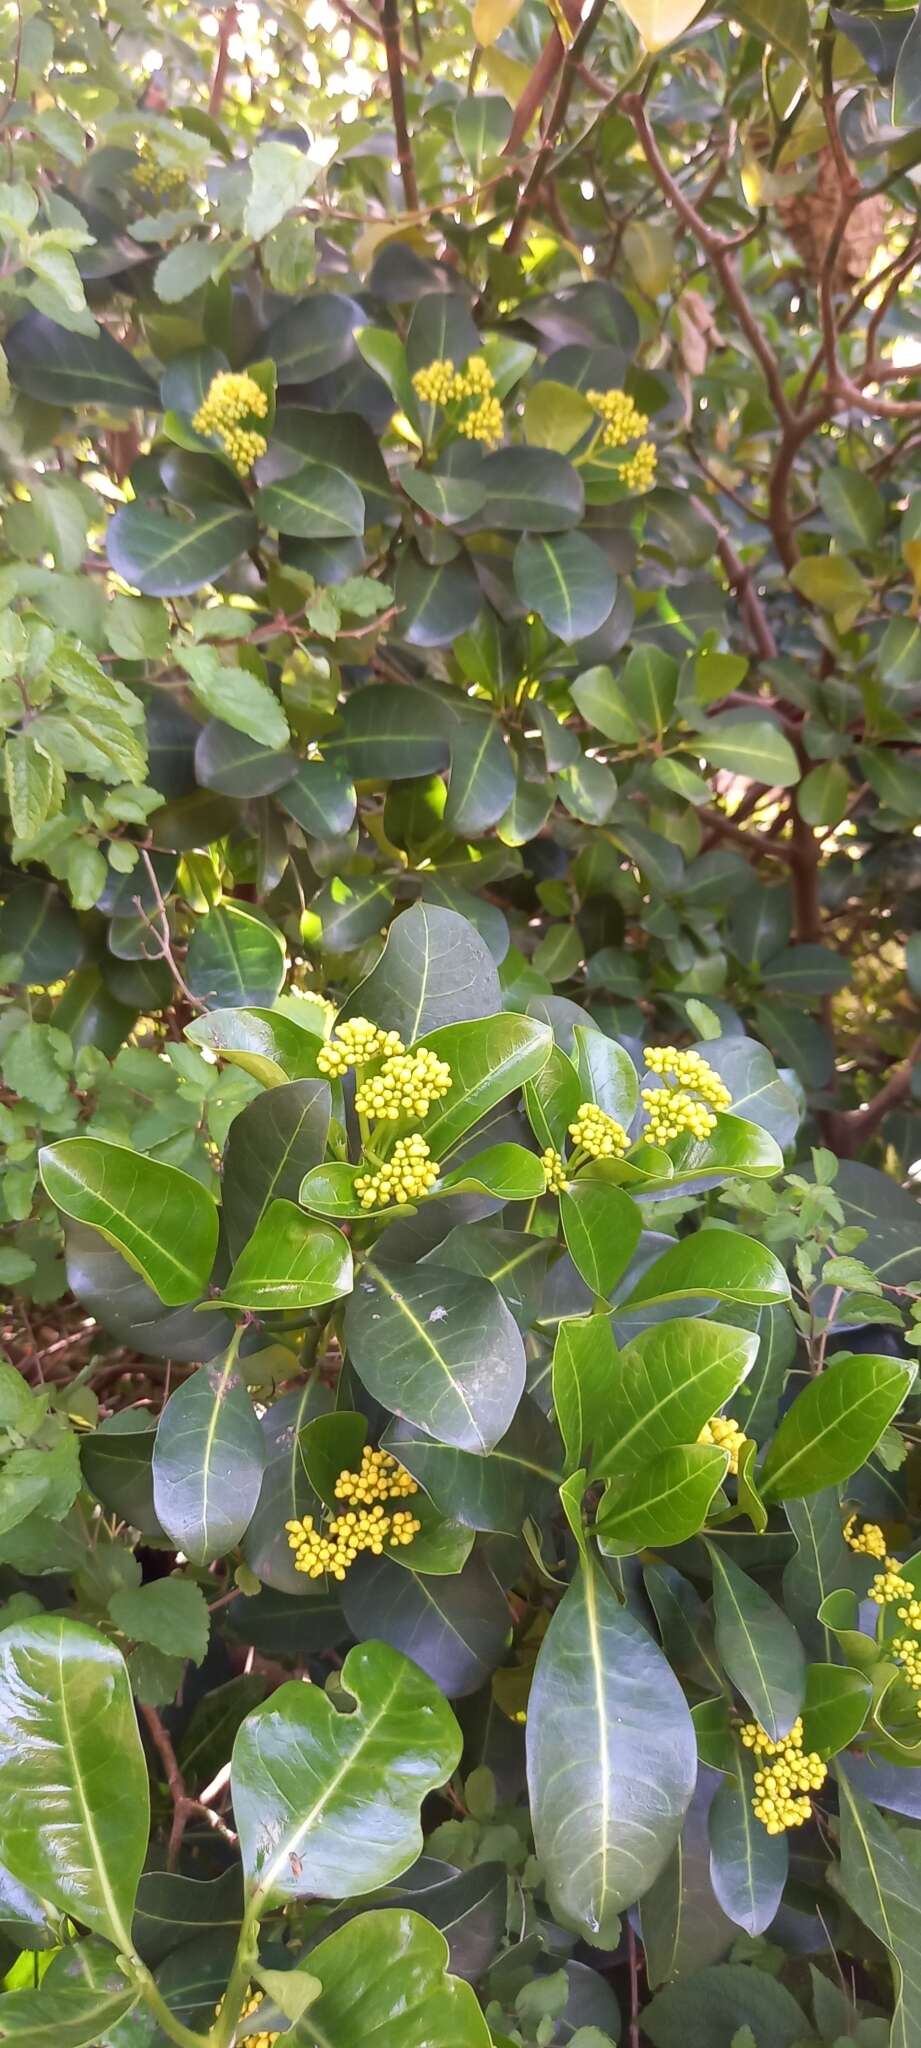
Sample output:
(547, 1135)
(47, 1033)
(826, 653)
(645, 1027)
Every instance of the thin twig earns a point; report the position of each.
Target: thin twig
(219, 80)
(161, 931)
(557, 116)
(183, 1806)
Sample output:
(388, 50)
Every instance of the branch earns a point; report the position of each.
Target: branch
(541, 79)
(554, 125)
(390, 21)
(161, 931)
(753, 842)
(861, 1123)
(183, 1806)
(716, 248)
(218, 82)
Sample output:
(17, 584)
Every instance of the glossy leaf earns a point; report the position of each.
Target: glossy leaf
(748, 1867)
(489, 1058)
(271, 1145)
(167, 556)
(668, 1382)
(662, 1503)
(265, 1043)
(434, 971)
(455, 1628)
(327, 1803)
(208, 1462)
(612, 1759)
(567, 580)
(70, 1752)
(713, 1262)
(759, 1647)
(316, 503)
(601, 1226)
(125, 1197)
(289, 1262)
(882, 1887)
(834, 1424)
(63, 2015)
(439, 1349)
(235, 958)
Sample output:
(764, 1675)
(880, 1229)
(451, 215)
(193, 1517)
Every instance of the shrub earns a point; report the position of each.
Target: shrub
(461, 675)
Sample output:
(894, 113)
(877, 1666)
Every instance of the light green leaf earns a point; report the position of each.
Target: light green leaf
(280, 177)
(74, 1806)
(327, 1803)
(669, 1381)
(714, 1262)
(661, 1503)
(290, 1262)
(385, 1985)
(126, 1197)
(834, 1424)
(235, 695)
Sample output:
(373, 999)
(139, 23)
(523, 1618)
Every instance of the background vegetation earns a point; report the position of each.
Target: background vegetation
(460, 678)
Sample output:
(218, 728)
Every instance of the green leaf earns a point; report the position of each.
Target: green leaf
(438, 1348)
(601, 1225)
(271, 1145)
(316, 503)
(493, 1493)
(321, 798)
(489, 1058)
(234, 957)
(310, 339)
(748, 1867)
(74, 1807)
(482, 126)
(290, 1262)
(835, 1708)
(64, 2015)
(437, 601)
(385, 1986)
(434, 971)
(60, 367)
(126, 1198)
(669, 1381)
(185, 269)
(556, 416)
(834, 1424)
(710, 2008)
(509, 1172)
(749, 746)
(280, 175)
(530, 490)
(327, 1802)
(851, 504)
(882, 1886)
(450, 499)
(612, 1759)
(833, 583)
(208, 1462)
(265, 1043)
(482, 778)
(567, 580)
(714, 1262)
(585, 1362)
(286, 1493)
(389, 730)
(823, 794)
(906, 88)
(235, 695)
(662, 1503)
(172, 1614)
(164, 555)
(455, 1628)
(758, 1646)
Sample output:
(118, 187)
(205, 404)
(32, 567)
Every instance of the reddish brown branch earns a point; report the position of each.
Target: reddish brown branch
(183, 1806)
(219, 80)
(390, 22)
(557, 117)
(541, 79)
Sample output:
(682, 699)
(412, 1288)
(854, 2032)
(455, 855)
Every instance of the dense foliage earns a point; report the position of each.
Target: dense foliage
(460, 913)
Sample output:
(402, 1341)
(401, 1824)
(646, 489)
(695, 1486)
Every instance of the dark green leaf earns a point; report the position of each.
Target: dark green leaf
(208, 1462)
(316, 503)
(62, 368)
(435, 970)
(759, 1647)
(235, 958)
(165, 556)
(439, 1349)
(567, 580)
(714, 1262)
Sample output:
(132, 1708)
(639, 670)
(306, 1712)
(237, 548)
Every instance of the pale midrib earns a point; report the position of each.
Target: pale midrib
(123, 1938)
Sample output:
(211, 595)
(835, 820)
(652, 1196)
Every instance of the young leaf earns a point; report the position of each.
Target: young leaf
(834, 1424)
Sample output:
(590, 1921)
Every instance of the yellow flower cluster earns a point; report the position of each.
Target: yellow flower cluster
(670, 1112)
(406, 1085)
(441, 384)
(688, 1070)
(889, 1586)
(909, 1656)
(435, 385)
(159, 181)
(354, 1043)
(622, 421)
(690, 1084)
(781, 1795)
(868, 1541)
(725, 1433)
(598, 1134)
(318, 1552)
(485, 423)
(639, 470)
(364, 1525)
(408, 1175)
(555, 1171)
(379, 1477)
(232, 397)
(251, 2004)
